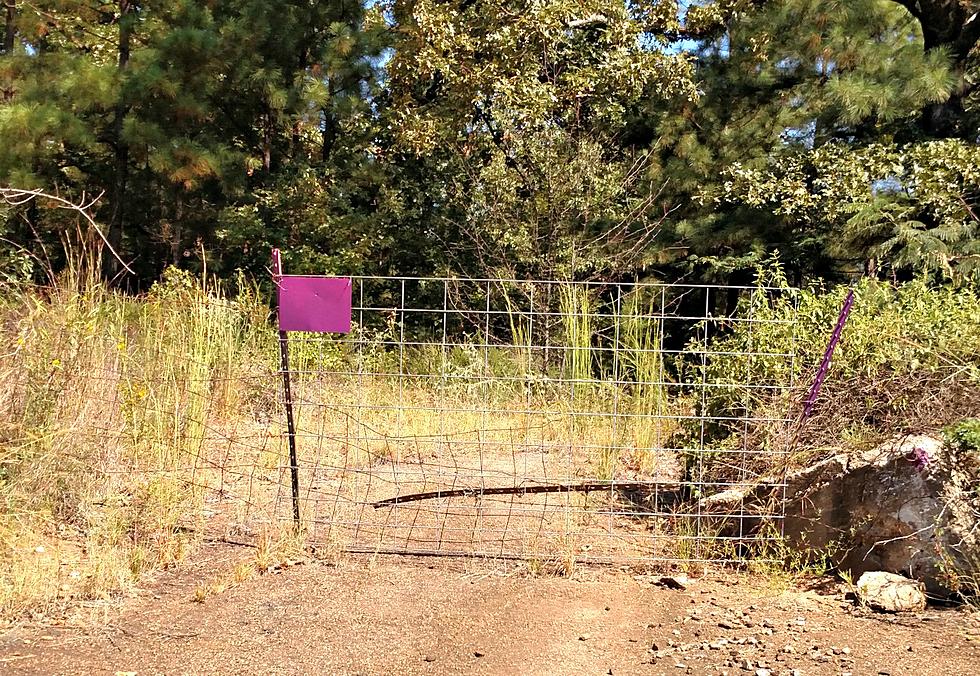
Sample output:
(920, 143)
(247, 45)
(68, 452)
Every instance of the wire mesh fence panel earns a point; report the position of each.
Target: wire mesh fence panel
(542, 419)
(141, 422)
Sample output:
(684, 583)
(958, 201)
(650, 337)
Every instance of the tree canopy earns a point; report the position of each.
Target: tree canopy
(588, 139)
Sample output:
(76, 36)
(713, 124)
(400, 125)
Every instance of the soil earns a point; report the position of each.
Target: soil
(399, 615)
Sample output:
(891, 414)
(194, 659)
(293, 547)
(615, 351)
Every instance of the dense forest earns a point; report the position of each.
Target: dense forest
(574, 139)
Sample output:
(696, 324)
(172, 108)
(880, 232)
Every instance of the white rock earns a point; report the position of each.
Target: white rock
(890, 593)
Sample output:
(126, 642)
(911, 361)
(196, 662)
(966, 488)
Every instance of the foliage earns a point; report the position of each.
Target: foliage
(176, 111)
(908, 361)
(785, 80)
(516, 113)
(593, 139)
(964, 436)
(912, 208)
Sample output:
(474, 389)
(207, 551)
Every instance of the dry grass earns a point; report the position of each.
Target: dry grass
(112, 412)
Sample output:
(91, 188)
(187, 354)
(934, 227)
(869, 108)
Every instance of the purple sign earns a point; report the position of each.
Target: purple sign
(318, 304)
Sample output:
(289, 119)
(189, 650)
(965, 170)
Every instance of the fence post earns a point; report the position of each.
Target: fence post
(811, 399)
(287, 393)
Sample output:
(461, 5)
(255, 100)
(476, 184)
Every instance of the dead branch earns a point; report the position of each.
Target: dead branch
(586, 487)
(18, 197)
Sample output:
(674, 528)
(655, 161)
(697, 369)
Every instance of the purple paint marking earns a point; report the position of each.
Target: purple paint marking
(920, 457)
(318, 304)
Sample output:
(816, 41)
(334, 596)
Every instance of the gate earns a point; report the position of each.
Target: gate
(542, 420)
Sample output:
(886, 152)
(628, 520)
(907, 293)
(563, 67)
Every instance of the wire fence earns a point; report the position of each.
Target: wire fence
(541, 419)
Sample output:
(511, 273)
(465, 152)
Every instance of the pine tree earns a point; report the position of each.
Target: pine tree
(176, 111)
(793, 76)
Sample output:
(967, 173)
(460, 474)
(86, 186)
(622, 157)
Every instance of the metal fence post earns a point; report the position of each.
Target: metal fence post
(287, 394)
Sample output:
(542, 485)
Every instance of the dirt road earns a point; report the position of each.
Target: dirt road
(418, 616)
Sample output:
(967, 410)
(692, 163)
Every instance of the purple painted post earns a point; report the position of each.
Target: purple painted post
(277, 277)
(305, 303)
(828, 355)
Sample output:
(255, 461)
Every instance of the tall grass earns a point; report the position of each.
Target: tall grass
(108, 404)
(578, 323)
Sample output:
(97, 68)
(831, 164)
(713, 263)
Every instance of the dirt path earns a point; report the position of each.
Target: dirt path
(420, 616)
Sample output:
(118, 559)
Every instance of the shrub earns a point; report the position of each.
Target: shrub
(908, 361)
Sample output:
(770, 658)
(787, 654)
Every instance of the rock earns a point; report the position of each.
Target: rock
(890, 593)
(680, 582)
(901, 508)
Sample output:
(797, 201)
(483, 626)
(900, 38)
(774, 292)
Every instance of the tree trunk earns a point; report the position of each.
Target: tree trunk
(9, 29)
(267, 142)
(328, 135)
(127, 10)
(177, 229)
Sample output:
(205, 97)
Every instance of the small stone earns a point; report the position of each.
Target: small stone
(676, 632)
(477, 653)
(725, 624)
(680, 665)
(768, 624)
(429, 658)
(680, 582)
(845, 651)
(763, 672)
(746, 665)
(584, 637)
(789, 649)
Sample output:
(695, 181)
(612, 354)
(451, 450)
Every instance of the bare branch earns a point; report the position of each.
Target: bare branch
(18, 197)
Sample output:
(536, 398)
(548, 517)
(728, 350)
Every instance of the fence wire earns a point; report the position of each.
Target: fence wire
(542, 419)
